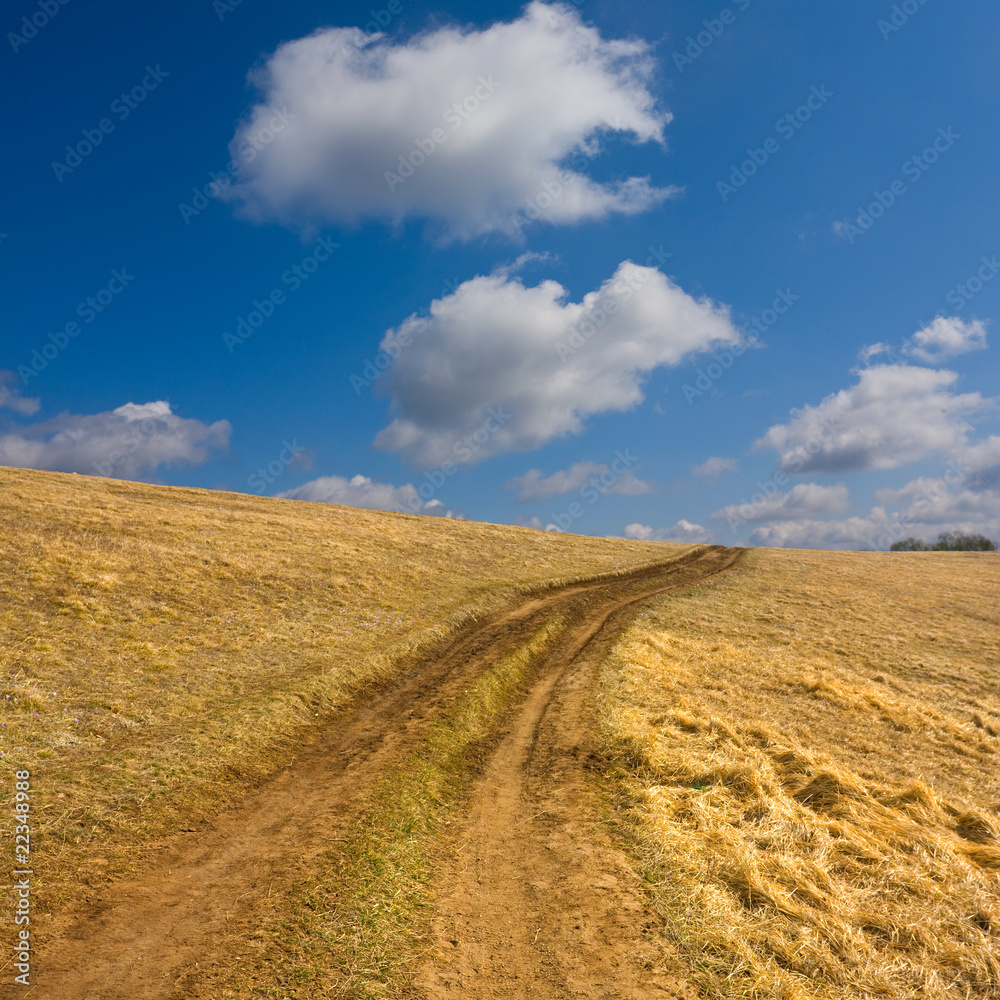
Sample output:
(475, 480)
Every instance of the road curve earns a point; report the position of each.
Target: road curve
(531, 837)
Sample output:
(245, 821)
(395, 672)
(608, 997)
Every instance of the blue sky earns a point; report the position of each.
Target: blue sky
(686, 271)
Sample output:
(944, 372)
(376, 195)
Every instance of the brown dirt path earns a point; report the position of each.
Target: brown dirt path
(195, 904)
(536, 900)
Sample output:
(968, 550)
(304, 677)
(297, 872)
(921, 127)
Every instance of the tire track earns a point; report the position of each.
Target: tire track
(538, 902)
(197, 903)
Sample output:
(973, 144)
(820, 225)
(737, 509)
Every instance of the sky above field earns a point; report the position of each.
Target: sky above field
(683, 271)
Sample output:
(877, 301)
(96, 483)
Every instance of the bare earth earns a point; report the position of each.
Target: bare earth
(534, 900)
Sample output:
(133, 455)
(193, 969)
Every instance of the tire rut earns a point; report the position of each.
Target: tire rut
(197, 901)
(537, 900)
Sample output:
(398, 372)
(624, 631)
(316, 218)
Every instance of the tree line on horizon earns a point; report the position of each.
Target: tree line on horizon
(948, 541)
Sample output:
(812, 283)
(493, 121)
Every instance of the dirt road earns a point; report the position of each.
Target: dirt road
(534, 900)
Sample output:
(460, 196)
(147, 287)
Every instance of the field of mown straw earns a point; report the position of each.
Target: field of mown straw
(812, 773)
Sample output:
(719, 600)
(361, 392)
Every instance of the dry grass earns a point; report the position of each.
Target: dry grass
(165, 649)
(354, 932)
(813, 775)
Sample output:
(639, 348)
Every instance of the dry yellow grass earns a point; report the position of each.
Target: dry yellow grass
(353, 933)
(811, 741)
(164, 649)
(812, 773)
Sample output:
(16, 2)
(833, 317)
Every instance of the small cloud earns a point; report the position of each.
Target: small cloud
(682, 531)
(360, 491)
(713, 467)
(947, 337)
(11, 398)
(533, 486)
(534, 522)
(515, 266)
(800, 503)
(125, 443)
(872, 351)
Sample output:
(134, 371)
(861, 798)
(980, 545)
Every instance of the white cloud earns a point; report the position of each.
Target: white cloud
(928, 507)
(713, 467)
(957, 511)
(626, 485)
(360, 491)
(546, 362)
(872, 351)
(947, 337)
(965, 498)
(894, 415)
(916, 488)
(524, 260)
(800, 503)
(852, 533)
(531, 522)
(11, 398)
(533, 486)
(536, 523)
(981, 463)
(966, 512)
(125, 443)
(682, 531)
(945, 500)
(535, 91)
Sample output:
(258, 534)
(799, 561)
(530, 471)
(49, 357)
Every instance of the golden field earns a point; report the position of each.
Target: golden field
(811, 773)
(165, 649)
(803, 753)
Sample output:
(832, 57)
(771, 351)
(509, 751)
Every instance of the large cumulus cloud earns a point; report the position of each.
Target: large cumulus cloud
(502, 367)
(474, 125)
(894, 415)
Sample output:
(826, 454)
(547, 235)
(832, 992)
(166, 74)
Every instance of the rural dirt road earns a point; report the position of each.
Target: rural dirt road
(532, 899)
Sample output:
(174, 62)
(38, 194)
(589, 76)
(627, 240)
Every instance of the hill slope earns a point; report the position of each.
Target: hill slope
(813, 744)
(165, 649)
(285, 750)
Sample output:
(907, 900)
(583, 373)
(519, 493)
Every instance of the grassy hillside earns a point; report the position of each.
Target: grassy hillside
(806, 748)
(813, 773)
(164, 649)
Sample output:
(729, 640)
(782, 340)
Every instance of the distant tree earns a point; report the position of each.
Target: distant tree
(948, 541)
(909, 545)
(957, 541)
